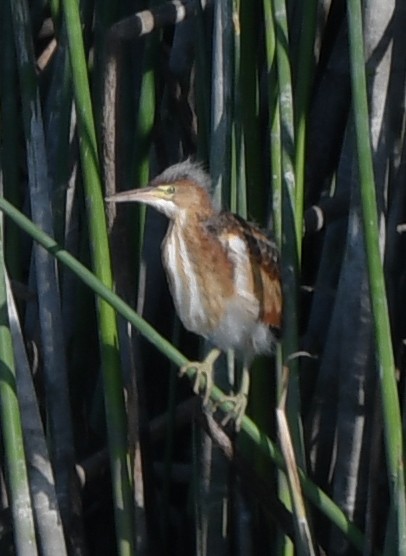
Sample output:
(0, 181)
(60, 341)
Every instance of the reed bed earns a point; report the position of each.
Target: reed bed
(298, 114)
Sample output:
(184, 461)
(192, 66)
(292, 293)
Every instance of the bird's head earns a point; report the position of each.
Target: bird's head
(179, 191)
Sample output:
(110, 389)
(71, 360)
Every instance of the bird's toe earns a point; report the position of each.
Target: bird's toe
(203, 379)
(237, 412)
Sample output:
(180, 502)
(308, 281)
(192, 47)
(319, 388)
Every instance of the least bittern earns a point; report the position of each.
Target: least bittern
(223, 272)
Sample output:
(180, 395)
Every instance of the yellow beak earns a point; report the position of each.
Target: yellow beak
(153, 196)
(142, 195)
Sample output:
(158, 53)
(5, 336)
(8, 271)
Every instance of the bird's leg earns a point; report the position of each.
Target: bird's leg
(203, 369)
(239, 400)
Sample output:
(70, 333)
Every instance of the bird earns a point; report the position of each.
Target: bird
(223, 272)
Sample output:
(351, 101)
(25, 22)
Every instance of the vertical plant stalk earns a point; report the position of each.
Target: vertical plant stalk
(211, 472)
(42, 482)
(203, 83)
(238, 194)
(291, 237)
(396, 532)
(287, 124)
(10, 129)
(113, 388)
(304, 544)
(305, 74)
(221, 100)
(12, 434)
(143, 140)
(249, 102)
(274, 119)
(57, 117)
(277, 195)
(49, 310)
(292, 226)
(146, 112)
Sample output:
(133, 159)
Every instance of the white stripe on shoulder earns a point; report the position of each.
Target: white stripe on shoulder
(238, 252)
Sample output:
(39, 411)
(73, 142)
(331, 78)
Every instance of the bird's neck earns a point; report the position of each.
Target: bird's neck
(191, 218)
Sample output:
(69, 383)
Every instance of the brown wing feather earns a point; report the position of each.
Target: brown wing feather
(264, 257)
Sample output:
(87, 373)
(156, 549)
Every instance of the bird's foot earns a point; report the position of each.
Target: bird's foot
(239, 402)
(203, 369)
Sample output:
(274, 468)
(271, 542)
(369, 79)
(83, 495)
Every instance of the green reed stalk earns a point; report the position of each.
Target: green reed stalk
(12, 434)
(108, 335)
(396, 531)
(305, 71)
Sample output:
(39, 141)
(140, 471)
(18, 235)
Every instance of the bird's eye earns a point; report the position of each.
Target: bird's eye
(170, 189)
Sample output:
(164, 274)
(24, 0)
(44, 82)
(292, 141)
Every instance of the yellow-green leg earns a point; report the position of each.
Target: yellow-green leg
(240, 400)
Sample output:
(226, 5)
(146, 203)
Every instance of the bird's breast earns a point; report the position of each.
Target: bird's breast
(186, 266)
(212, 286)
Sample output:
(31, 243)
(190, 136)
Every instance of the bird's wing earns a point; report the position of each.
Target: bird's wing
(262, 252)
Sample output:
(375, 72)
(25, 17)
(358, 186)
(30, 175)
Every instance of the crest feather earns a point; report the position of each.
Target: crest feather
(187, 170)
